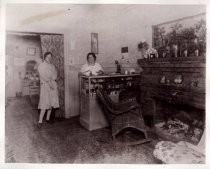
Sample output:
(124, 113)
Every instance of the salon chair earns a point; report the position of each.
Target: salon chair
(123, 116)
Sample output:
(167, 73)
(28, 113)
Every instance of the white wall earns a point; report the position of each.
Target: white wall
(117, 26)
(134, 24)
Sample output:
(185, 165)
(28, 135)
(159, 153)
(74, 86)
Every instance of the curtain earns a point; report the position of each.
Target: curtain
(54, 43)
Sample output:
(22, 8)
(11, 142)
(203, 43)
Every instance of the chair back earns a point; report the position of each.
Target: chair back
(106, 101)
(103, 97)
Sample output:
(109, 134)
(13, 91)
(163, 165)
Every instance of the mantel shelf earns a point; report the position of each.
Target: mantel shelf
(173, 60)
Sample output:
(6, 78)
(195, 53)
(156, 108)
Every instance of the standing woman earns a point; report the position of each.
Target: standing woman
(48, 91)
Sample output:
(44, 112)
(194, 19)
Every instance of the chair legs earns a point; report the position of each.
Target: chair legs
(123, 116)
(129, 127)
(140, 141)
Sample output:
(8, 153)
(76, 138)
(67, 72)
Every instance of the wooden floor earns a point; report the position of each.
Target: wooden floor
(64, 141)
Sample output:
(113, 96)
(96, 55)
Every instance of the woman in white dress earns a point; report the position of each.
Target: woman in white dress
(48, 87)
(91, 67)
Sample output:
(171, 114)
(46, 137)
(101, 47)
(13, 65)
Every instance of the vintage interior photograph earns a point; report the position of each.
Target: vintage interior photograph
(105, 83)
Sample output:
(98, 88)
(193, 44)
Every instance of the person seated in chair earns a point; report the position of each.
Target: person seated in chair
(91, 67)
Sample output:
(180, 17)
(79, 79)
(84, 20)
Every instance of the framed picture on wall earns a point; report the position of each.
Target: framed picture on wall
(31, 51)
(94, 43)
(181, 36)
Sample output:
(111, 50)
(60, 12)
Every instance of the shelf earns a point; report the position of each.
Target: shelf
(172, 59)
(109, 76)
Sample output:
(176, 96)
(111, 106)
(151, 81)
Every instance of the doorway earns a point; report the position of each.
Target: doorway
(24, 47)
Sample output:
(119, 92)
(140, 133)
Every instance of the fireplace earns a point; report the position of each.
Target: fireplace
(177, 121)
(175, 88)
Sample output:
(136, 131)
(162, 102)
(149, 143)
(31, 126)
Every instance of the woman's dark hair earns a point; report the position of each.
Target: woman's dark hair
(93, 54)
(47, 53)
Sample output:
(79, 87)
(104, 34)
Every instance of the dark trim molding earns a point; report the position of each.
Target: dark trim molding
(32, 33)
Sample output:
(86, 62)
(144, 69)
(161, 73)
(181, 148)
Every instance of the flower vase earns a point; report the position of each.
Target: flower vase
(175, 50)
(196, 52)
(185, 53)
(164, 54)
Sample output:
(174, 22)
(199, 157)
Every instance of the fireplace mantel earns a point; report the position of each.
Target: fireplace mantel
(191, 92)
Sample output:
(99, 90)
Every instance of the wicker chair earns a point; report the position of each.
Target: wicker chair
(123, 116)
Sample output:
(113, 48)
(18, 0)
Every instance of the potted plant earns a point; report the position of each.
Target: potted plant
(174, 39)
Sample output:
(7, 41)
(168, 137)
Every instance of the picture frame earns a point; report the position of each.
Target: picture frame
(31, 51)
(94, 43)
(180, 38)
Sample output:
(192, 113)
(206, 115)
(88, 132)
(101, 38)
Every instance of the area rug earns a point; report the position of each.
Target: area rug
(65, 141)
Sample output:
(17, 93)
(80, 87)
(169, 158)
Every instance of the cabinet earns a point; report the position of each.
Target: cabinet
(31, 88)
(190, 91)
(117, 86)
(26, 84)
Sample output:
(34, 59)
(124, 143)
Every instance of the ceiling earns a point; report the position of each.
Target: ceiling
(63, 17)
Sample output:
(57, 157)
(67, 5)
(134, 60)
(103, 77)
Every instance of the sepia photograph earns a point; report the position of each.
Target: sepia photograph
(138, 99)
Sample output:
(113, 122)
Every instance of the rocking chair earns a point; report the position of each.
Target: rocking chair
(123, 116)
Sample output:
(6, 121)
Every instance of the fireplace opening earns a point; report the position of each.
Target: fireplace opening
(179, 122)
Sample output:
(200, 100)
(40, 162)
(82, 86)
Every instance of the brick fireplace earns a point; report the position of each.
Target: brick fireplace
(176, 109)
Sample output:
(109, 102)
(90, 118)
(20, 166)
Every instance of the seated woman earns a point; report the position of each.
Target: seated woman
(91, 67)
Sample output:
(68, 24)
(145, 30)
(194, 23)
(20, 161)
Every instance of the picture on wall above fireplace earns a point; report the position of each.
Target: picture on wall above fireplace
(185, 37)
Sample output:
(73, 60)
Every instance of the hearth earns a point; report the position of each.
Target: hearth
(178, 122)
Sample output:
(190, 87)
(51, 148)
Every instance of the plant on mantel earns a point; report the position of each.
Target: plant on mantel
(184, 41)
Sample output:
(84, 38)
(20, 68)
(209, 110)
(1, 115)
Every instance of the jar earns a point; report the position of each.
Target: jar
(196, 52)
(175, 49)
(185, 53)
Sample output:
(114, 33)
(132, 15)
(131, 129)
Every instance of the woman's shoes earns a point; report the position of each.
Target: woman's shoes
(39, 125)
(49, 121)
